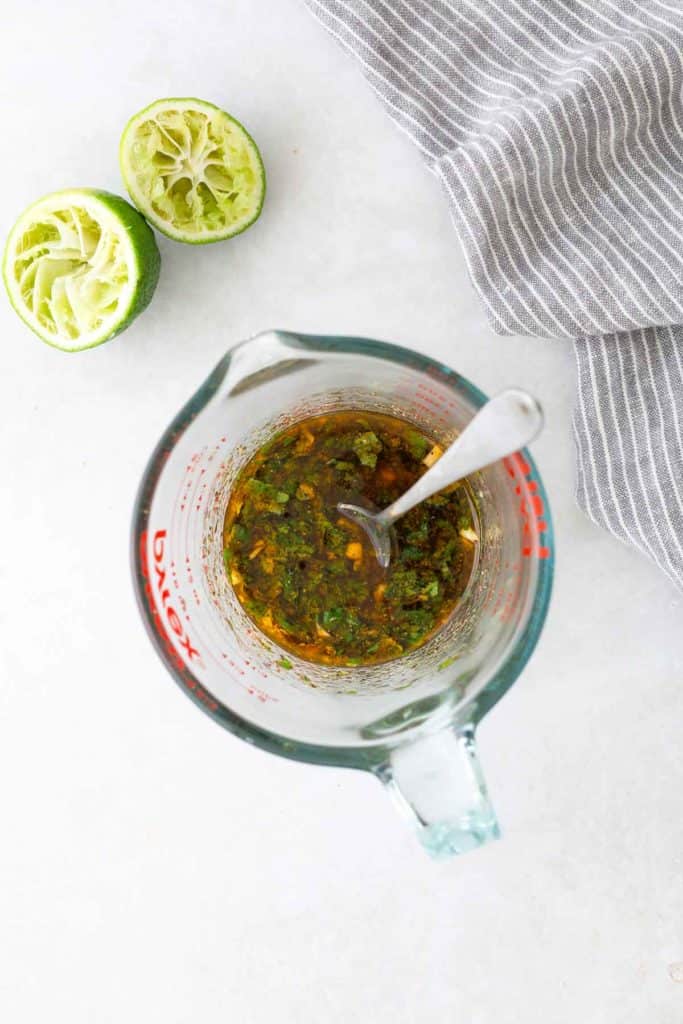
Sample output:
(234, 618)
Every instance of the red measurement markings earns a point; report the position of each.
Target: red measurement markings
(508, 606)
(531, 508)
(190, 579)
(428, 399)
(251, 688)
(425, 399)
(189, 470)
(201, 494)
(233, 664)
(260, 694)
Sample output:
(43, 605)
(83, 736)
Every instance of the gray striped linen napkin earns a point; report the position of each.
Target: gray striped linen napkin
(556, 128)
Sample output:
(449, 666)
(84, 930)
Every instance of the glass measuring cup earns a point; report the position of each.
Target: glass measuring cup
(411, 721)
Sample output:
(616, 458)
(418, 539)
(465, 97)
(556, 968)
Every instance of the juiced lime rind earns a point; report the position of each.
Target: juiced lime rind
(154, 197)
(76, 215)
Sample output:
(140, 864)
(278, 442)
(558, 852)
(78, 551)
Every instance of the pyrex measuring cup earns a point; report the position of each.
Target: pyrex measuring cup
(411, 721)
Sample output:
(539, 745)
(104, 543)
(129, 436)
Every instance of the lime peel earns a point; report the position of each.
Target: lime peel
(192, 170)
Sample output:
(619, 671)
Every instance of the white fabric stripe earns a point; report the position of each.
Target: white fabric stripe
(600, 346)
(645, 443)
(601, 439)
(643, 502)
(656, 387)
(658, 211)
(673, 208)
(620, 382)
(620, 325)
(663, 269)
(422, 127)
(556, 127)
(490, 41)
(634, 209)
(579, 212)
(586, 195)
(594, 208)
(383, 6)
(532, 241)
(648, 58)
(678, 361)
(469, 250)
(584, 431)
(439, 113)
(639, 239)
(590, 437)
(503, 242)
(448, 45)
(482, 259)
(637, 337)
(625, 79)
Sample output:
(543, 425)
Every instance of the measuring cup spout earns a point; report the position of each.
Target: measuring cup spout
(437, 782)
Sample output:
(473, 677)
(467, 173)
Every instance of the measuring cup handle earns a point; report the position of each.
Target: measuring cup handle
(438, 783)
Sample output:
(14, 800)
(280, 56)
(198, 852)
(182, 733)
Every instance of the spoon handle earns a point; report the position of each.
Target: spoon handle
(507, 422)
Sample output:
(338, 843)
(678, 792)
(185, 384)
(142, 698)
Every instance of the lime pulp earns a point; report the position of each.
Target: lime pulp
(192, 170)
(79, 266)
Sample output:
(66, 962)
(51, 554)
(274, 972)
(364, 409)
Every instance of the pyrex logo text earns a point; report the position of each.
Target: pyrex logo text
(172, 617)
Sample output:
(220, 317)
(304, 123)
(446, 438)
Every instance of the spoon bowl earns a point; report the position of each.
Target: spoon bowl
(375, 528)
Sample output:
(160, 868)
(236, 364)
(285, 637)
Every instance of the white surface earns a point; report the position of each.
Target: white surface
(152, 867)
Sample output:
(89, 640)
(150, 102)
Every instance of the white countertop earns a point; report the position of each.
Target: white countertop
(152, 867)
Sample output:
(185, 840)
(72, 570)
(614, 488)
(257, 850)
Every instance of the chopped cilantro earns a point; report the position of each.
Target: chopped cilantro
(367, 447)
(417, 444)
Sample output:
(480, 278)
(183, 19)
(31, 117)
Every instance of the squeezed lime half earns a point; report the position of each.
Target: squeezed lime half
(79, 266)
(193, 171)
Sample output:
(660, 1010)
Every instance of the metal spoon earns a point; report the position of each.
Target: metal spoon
(507, 422)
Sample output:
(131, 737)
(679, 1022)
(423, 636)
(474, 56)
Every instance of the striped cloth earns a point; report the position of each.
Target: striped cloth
(556, 127)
